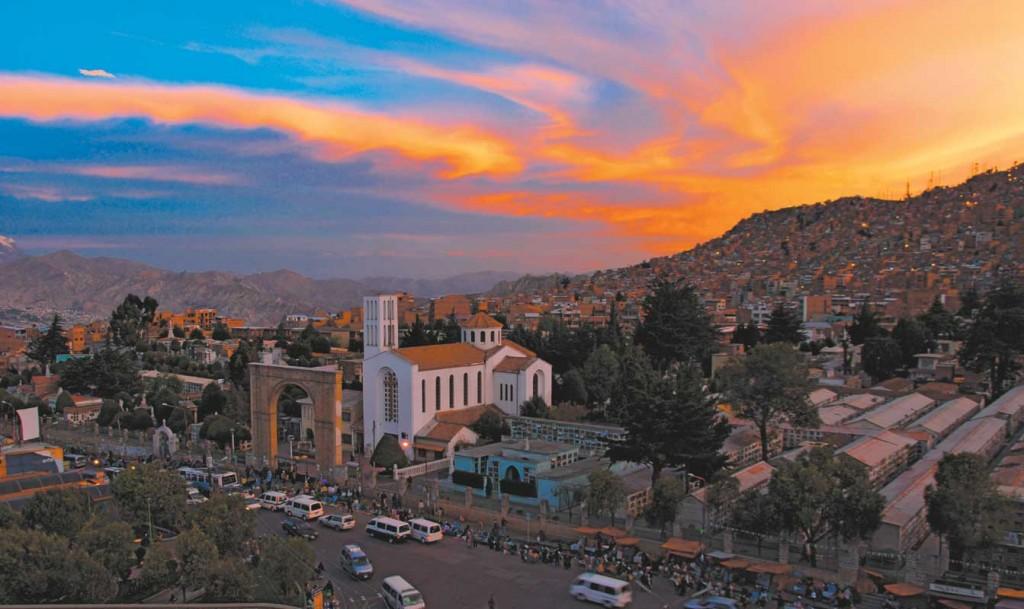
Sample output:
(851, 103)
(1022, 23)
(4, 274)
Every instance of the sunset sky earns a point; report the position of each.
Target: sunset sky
(421, 137)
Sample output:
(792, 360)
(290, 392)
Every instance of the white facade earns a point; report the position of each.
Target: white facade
(404, 388)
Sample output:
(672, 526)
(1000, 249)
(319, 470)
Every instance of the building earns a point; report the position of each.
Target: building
(405, 388)
(192, 386)
(884, 455)
(940, 422)
(591, 438)
(895, 414)
(86, 409)
(1009, 407)
(696, 514)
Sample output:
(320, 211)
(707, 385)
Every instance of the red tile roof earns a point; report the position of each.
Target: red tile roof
(434, 357)
(481, 321)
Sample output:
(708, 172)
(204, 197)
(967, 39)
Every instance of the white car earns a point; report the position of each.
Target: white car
(253, 504)
(338, 522)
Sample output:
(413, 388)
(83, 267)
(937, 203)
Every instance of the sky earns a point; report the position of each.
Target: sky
(354, 138)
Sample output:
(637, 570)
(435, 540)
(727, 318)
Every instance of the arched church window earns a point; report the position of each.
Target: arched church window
(492, 336)
(479, 387)
(536, 384)
(451, 391)
(390, 386)
(465, 388)
(472, 336)
(437, 393)
(423, 395)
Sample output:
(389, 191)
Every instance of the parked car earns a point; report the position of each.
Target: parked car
(338, 522)
(355, 562)
(253, 504)
(711, 602)
(194, 497)
(389, 529)
(298, 528)
(600, 589)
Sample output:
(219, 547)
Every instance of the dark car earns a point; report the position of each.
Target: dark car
(297, 528)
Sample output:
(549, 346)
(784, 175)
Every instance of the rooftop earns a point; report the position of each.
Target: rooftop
(514, 364)
(434, 357)
(872, 451)
(540, 448)
(943, 418)
(481, 321)
(897, 411)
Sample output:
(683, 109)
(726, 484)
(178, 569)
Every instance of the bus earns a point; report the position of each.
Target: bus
(206, 480)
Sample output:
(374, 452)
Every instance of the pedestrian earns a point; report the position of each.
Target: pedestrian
(490, 603)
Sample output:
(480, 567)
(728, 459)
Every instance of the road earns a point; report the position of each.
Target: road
(450, 575)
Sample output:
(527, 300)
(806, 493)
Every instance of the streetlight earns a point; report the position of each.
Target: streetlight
(232, 442)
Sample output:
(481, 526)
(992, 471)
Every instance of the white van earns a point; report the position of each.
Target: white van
(304, 507)
(388, 528)
(425, 531)
(273, 500)
(399, 594)
(602, 590)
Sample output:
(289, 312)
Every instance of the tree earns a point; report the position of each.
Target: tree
(600, 378)
(221, 331)
(164, 393)
(670, 421)
(38, 568)
(755, 512)
(47, 346)
(996, 338)
(940, 322)
(489, 427)
(769, 387)
(196, 334)
(389, 454)
(106, 374)
(284, 567)
(226, 522)
(572, 389)
(970, 303)
(63, 402)
(111, 544)
(9, 519)
(238, 365)
(721, 495)
(160, 569)
(669, 492)
(139, 419)
(178, 332)
(605, 493)
(675, 326)
(320, 344)
(196, 554)
(228, 581)
(130, 321)
(218, 428)
(913, 337)
(881, 357)
(784, 326)
(417, 335)
(60, 512)
(213, 401)
(747, 335)
(865, 325)
(108, 413)
(965, 506)
(819, 495)
(150, 491)
(534, 407)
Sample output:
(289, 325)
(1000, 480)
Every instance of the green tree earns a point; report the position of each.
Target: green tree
(865, 325)
(217, 428)
(238, 365)
(150, 491)
(535, 407)
(196, 334)
(940, 322)
(160, 569)
(226, 522)
(108, 412)
(196, 554)
(754, 512)
(107, 373)
(965, 506)
(670, 421)
(61, 512)
(139, 419)
(213, 401)
(489, 427)
(164, 394)
(388, 453)
(606, 493)
(913, 337)
(63, 402)
(417, 335)
(769, 387)
(221, 331)
(178, 332)
(995, 341)
(111, 544)
(228, 580)
(721, 496)
(9, 519)
(129, 322)
(47, 346)
(572, 389)
(37, 568)
(784, 326)
(669, 493)
(675, 327)
(748, 335)
(881, 357)
(970, 303)
(284, 567)
(600, 377)
(819, 495)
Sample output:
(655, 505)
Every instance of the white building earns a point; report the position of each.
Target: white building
(404, 388)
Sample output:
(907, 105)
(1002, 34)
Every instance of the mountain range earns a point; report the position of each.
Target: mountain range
(85, 288)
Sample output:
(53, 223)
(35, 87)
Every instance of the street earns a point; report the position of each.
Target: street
(450, 575)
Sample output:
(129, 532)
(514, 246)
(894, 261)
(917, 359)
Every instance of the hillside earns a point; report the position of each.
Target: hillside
(82, 288)
(958, 236)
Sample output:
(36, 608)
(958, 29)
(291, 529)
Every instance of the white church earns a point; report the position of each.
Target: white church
(427, 396)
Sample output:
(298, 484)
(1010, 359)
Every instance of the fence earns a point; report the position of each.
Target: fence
(422, 469)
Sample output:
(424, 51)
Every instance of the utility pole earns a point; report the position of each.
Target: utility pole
(149, 517)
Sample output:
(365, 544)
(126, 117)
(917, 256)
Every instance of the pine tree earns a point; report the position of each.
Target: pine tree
(47, 346)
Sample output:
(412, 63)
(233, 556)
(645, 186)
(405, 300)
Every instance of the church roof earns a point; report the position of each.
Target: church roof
(434, 357)
(519, 348)
(514, 364)
(481, 321)
(466, 416)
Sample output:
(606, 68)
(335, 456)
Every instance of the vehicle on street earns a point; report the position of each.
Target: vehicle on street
(355, 562)
(392, 530)
(338, 522)
(298, 528)
(304, 507)
(399, 594)
(73, 461)
(711, 602)
(273, 500)
(252, 504)
(194, 497)
(601, 589)
(425, 531)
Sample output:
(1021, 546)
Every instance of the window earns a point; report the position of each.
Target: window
(437, 393)
(492, 336)
(423, 395)
(479, 387)
(390, 383)
(451, 391)
(465, 388)
(536, 384)
(346, 438)
(472, 336)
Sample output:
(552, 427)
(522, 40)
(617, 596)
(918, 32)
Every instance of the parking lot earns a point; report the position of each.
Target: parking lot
(450, 575)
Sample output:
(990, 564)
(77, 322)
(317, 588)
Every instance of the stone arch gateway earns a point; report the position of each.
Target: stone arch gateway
(323, 386)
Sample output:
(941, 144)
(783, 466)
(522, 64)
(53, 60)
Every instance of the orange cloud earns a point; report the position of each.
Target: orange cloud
(337, 131)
